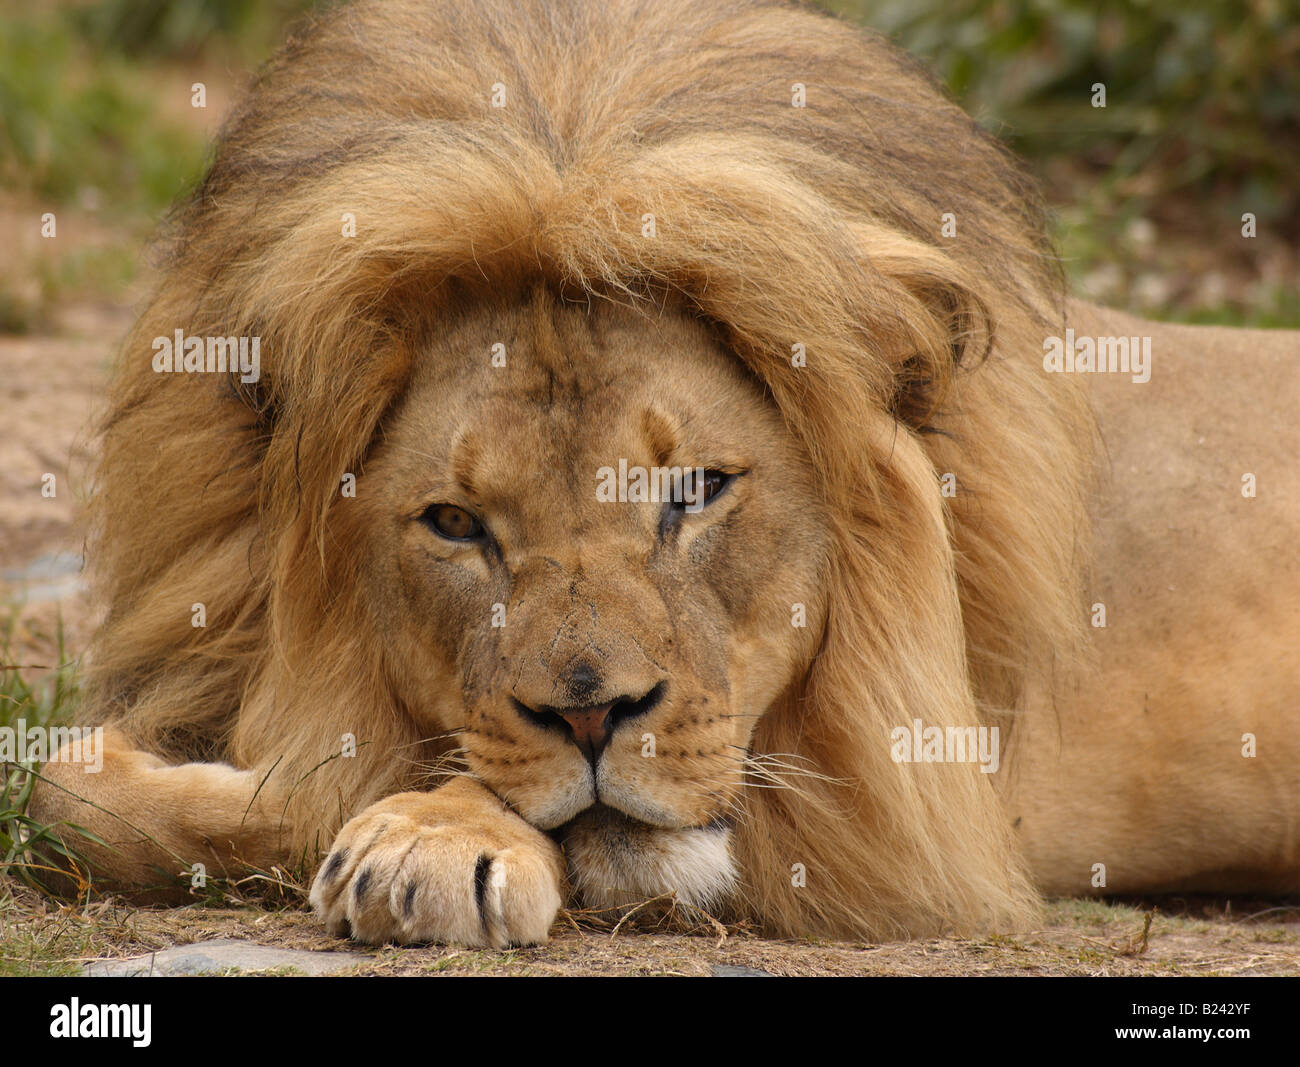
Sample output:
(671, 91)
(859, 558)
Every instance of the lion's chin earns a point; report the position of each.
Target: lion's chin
(615, 860)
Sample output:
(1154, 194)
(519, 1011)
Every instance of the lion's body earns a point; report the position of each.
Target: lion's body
(1142, 767)
(677, 262)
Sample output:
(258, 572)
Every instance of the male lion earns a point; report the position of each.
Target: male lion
(643, 490)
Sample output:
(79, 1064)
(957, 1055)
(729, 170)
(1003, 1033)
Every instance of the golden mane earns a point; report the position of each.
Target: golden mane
(817, 226)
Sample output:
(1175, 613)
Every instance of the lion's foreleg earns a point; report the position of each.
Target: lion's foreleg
(163, 827)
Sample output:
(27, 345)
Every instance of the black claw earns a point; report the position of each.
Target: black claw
(333, 867)
(481, 869)
(408, 902)
(363, 884)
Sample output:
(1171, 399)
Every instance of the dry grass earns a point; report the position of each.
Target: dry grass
(1091, 938)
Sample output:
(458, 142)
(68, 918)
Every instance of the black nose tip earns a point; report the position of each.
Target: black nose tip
(591, 726)
(582, 682)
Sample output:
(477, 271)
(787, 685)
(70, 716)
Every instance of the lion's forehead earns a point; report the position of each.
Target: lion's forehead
(551, 394)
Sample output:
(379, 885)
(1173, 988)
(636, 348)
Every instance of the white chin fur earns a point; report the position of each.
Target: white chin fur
(615, 861)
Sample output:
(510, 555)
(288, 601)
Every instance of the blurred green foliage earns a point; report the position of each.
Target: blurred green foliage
(179, 29)
(79, 125)
(1202, 99)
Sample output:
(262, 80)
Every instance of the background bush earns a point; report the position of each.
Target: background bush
(1202, 99)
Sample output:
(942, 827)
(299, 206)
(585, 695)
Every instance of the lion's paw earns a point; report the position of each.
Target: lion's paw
(392, 878)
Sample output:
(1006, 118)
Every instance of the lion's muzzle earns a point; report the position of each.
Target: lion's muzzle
(590, 727)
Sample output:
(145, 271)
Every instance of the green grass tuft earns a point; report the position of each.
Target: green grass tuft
(29, 849)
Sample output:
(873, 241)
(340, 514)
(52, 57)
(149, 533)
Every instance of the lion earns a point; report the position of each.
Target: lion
(673, 468)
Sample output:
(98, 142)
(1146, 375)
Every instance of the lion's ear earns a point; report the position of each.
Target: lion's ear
(922, 380)
(258, 397)
(940, 321)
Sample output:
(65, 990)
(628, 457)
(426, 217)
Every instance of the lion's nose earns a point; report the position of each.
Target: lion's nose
(590, 727)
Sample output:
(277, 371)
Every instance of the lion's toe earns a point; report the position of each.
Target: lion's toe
(408, 884)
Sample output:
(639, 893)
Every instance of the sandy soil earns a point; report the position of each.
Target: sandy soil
(49, 388)
(1078, 938)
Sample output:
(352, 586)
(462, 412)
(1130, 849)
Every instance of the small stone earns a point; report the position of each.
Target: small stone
(224, 955)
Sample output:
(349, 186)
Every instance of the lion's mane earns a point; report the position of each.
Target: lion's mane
(817, 226)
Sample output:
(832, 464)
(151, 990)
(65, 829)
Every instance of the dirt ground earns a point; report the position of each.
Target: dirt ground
(1085, 938)
(50, 386)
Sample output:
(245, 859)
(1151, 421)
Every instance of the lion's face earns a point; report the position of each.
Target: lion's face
(604, 657)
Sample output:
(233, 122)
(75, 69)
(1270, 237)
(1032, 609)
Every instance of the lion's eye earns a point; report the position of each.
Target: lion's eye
(451, 522)
(696, 491)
